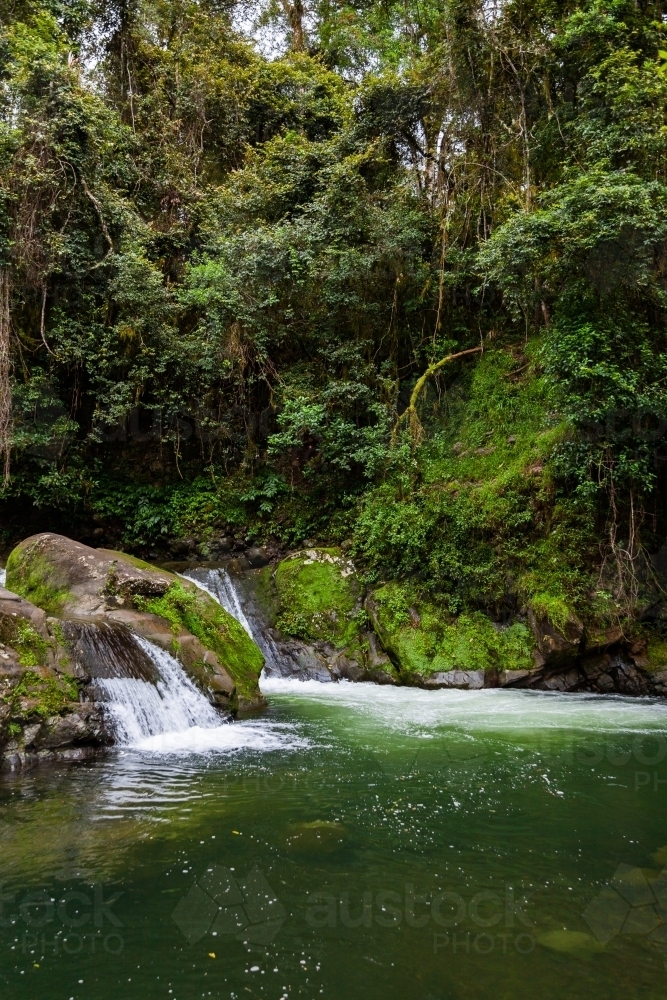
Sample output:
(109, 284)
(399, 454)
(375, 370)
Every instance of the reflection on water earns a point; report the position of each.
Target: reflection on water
(362, 841)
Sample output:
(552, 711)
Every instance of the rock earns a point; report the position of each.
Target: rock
(313, 601)
(457, 447)
(602, 639)
(556, 646)
(257, 557)
(84, 724)
(567, 680)
(485, 451)
(469, 680)
(103, 587)
(511, 439)
(513, 678)
(426, 642)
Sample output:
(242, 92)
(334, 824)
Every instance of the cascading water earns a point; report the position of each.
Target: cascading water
(3, 577)
(221, 587)
(138, 709)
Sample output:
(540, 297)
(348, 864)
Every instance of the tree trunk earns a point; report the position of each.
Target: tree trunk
(294, 13)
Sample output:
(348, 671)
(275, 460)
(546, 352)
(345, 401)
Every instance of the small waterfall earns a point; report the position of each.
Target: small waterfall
(3, 577)
(219, 585)
(138, 709)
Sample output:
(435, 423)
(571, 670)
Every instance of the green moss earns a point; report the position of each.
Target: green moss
(51, 694)
(32, 576)
(30, 645)
(25, 639)
(656, 653)
(481, 514)
(317, 594)
(190, 609)
(126, 557)
(552, 607)
(424, 638)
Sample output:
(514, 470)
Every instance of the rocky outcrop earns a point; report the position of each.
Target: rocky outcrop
(312, 606)
(85, 587)
(41, 715)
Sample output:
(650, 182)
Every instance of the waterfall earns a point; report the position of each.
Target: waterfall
(3, 577)
(138, 709)
(219, 585)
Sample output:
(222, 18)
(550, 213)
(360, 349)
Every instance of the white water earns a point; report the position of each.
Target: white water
(418, 713)
(219, 585)
(3, 577)
(141, 711)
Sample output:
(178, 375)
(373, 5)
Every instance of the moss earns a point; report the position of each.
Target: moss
(481, 516)
(126, 557)
(552, 607)
(656, 653)
(318, 595)
(32, 648)
(30, 645)
(50, 695)
(32, 576)
(192, 610)
(423, 638)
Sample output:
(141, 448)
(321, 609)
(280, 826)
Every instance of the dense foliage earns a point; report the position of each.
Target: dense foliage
(223, 270)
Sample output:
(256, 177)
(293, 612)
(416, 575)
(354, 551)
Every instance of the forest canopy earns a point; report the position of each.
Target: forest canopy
(235, 237)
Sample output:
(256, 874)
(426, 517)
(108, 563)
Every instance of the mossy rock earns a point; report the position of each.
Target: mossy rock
(423, 639)
(36, 578)
(189, 609)
(318, 598)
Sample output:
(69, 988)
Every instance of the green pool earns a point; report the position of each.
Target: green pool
(352, 842)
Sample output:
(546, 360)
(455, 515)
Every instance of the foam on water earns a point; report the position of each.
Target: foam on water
(259, 736)
(3, 577)
(419, 712)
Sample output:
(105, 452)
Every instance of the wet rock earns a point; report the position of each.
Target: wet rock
(557, 646)
(513, 678)
(257, 557)
(84, 724)
(566, 680)
(468, 680)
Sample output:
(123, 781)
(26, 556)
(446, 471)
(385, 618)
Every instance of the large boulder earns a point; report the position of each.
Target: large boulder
(82, 585)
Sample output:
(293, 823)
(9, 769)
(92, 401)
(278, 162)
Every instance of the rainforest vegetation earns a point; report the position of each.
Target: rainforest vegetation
(239, 240)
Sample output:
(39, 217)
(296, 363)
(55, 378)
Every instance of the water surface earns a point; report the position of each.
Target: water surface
(352, 842)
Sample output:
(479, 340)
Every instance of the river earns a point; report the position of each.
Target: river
(353, 841)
